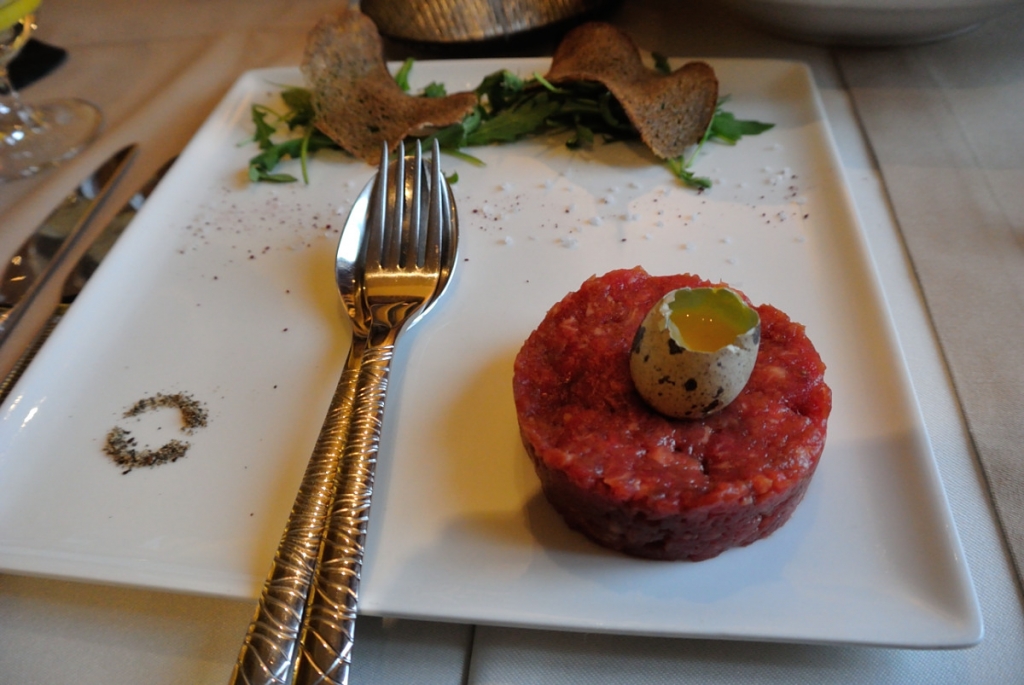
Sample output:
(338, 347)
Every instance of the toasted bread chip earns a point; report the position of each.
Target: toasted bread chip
(671, 111)
(357, 102)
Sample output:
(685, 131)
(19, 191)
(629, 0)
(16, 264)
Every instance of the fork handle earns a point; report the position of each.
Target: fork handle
(330, 619)
(268, 651)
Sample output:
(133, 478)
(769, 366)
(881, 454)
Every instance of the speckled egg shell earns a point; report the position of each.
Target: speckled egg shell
(685, 384)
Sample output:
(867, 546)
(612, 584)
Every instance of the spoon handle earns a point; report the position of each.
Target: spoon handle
(268, 651)
(329, 624)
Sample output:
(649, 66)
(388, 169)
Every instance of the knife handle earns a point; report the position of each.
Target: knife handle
(271, 643)
(329, 624)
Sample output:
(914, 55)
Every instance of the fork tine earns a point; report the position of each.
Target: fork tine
(449, 232)
(411, 238)
(393, 225)
(377, 213)
(435, 214)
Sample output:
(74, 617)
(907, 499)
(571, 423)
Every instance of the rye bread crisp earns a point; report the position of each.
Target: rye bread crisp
(356, 100)
(671, 111)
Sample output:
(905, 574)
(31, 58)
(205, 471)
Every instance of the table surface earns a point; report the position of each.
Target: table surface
(157, 69)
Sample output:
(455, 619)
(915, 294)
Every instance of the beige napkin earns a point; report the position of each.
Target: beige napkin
(945, 123)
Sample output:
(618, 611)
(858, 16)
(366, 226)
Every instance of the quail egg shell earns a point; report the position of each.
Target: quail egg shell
(694, 351)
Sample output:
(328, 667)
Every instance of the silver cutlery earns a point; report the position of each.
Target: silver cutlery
(408, 256)
(36, 253)
(29, 314)
(269, 653)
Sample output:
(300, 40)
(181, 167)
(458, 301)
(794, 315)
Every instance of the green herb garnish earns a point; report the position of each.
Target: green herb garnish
(435, 90)
(297, 116)
(509, 108)
(725, 128)
(661, 63)
(402, 77)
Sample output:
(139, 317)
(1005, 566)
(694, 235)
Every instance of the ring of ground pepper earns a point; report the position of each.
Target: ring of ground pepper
(123, 448)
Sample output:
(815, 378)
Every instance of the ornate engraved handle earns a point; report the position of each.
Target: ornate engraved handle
(268, 652)
(329, 624)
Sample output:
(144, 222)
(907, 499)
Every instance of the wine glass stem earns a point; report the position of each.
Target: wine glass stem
(13, 112)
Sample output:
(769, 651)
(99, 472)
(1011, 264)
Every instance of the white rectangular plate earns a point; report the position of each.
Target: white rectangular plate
(224, 290)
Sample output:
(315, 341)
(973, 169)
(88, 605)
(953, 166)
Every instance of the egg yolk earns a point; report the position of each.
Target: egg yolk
(708, 319)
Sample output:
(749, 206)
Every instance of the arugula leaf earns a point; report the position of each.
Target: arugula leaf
(435, 90)
(584, 137)
(605, 105)
(256, 175)
(264, 130)
(661, 64)
(402, 77)
(499, 90)
(679, 166)
(262, 165)
(449, 138)
(459, 154)
(515, 122)
(728, 129)
(300, 104)
(724, 127)
(547, 84)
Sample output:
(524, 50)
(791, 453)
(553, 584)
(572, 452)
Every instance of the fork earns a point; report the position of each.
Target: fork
(408, 257)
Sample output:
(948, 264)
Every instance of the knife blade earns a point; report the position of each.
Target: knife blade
(37, 252)
(30, 310)
(105, 240)
(42, 248)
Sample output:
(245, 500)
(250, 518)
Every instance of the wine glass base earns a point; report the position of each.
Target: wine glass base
(55, 132)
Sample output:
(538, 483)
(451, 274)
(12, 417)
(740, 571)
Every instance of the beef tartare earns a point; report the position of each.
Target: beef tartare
(637, 481)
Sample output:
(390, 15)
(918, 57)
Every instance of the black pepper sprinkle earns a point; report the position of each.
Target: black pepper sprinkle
(193, 414)
(120, 447)
(123, 448)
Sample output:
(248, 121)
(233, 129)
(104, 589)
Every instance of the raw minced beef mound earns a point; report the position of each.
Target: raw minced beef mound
(639, 482)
